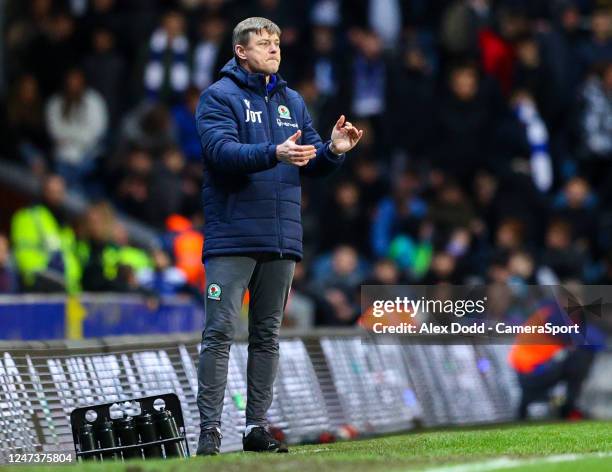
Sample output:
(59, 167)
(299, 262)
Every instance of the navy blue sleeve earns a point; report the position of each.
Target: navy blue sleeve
(221, 148)
(326, 161)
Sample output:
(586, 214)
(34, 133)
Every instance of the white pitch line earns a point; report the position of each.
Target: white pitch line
(510, 463)
(310, 451)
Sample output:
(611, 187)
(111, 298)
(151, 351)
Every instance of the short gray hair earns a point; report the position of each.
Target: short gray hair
(255, 24)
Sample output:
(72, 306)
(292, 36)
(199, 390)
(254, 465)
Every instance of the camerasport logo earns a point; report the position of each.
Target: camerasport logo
(283, 112)
(214, 292)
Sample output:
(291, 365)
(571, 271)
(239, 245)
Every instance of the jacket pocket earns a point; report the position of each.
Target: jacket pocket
(229, 207)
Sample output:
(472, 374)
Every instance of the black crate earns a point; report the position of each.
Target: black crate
(174, 445)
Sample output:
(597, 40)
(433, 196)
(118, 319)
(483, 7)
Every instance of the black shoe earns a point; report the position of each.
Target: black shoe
(209, 443)
(260, 440)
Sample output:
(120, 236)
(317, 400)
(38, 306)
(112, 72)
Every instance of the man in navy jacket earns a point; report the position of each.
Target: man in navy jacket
(257, 140)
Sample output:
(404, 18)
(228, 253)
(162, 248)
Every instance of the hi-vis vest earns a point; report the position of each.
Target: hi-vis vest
(36, 236)
(114, 256)
(187, 245)
(532, 350)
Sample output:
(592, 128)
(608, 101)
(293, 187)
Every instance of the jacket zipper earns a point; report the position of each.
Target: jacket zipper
(280, 232)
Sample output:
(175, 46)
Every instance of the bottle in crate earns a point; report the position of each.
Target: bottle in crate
(106, 437)
(126, 432)
(166, 428)
(87, 440)
(146, 430)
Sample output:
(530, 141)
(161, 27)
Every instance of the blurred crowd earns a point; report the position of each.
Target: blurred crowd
(486, 156)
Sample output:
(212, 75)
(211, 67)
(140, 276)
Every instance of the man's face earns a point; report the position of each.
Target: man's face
(464, 83)
(261, 54)
(174, 24)
(54, 191)
(75, 83)
(600, 24)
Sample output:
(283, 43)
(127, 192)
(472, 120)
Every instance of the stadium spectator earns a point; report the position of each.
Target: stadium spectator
(606, 275)
(497, 269)
(522, 268)
(130, 260)
(461, 24)
(187, 133)
(129, 183)
(165, 191)
(496, 201)
(106, 72)
(162, 278)
(149, 126)
(23, 135)
(598, 48)
(386, 19)
(52, 52)
(413, 254)
(384, 272)
(319, 86)
(562, 257)
(184, 243)
(370, 180)
(191, 188)
(369, 74)
(336, 307)
(466, 120)
(77, 119)
(450, 209)
(496, 44)
(308, 89)
(335, 280)
(167, 69)
(108, 261)
(542, 361)
(30, 20)
(325, 60)
(485, 197)
(466, 251)
(209, 54)
(596, 123)
(9, 282)
(343, 220)
(411, 97)
(341, 268)
(534, 75)
(99, 272)
(44, 243)
(106, 15)
(398, 214)
(510, 235)
(577, 206)
(443, 269)
(560, 49)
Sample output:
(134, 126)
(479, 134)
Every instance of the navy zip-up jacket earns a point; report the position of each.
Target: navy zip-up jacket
(252, 202)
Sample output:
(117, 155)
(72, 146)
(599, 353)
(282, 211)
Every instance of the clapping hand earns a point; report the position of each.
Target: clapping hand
(293, 153)
(344, 136)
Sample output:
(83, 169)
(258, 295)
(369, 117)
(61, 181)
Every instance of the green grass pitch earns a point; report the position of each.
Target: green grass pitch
(531, 447)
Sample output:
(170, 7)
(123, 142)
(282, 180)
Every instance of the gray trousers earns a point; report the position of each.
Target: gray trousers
(268, 279)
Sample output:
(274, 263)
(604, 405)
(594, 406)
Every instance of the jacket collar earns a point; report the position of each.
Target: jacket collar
(253, 81)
